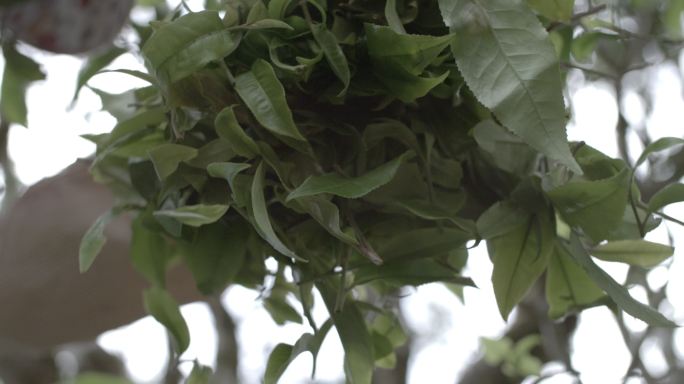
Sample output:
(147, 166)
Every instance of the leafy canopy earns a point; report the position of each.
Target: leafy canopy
(363, 146)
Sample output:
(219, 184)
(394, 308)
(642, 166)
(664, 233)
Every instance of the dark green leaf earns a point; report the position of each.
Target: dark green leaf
(164, 309)
(228, 128)
(510, 64)
(423, 243)
(351, 188)
(264, 95)
(635, 252)
(261, 217)
(283, 354)
(183, 46)
(333, 54)
(411, 272)
(356, 340)
(216, 255)
(20, 72)
(149, 252)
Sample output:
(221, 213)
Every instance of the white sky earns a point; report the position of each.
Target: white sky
(52, 142)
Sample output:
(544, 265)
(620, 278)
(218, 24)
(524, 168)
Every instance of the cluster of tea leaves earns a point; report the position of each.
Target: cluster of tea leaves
(364, 144)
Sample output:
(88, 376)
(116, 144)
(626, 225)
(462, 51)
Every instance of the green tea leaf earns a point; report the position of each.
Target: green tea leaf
(352, 187)
(519, 257)
(228, 128)
(215, 255)
(635, 252)
(195, 215)
(411, 272)
(670, 194)
(568, 287)
(183, 46)
(93, 241)
(423, 243)
(94, 65)
(399, 60)
(284, 354)
(264, 95)
(595, 206)
(510, 64)
(200, 374)
(616, 292)
(333, 54)
(149, 252)
(356, 340)
(262, 219)
(20, 72)
(167, 157)
(657, 146)
(392, 17)
(164, 309)
(560, 10)
(499, 219)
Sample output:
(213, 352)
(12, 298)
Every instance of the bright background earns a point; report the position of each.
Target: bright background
(447, 331)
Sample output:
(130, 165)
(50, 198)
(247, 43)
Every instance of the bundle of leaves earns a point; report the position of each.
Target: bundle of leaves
(364, 145)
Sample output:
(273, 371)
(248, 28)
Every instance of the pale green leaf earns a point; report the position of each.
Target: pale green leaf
(595, 206)
(519, 257)
(200, 374)
(195, 215)
(350, 187)
(635, 252)
(616, 291)
(167, 157)
(670, 194)
(568, 287)
(657, 146)
(93, 241)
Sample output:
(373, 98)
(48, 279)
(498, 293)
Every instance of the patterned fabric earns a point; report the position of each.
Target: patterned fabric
(66, 26)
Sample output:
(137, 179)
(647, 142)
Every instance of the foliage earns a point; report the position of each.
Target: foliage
(364, 145)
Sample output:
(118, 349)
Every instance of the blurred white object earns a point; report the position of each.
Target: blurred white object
(66, 26)
(44, 300)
